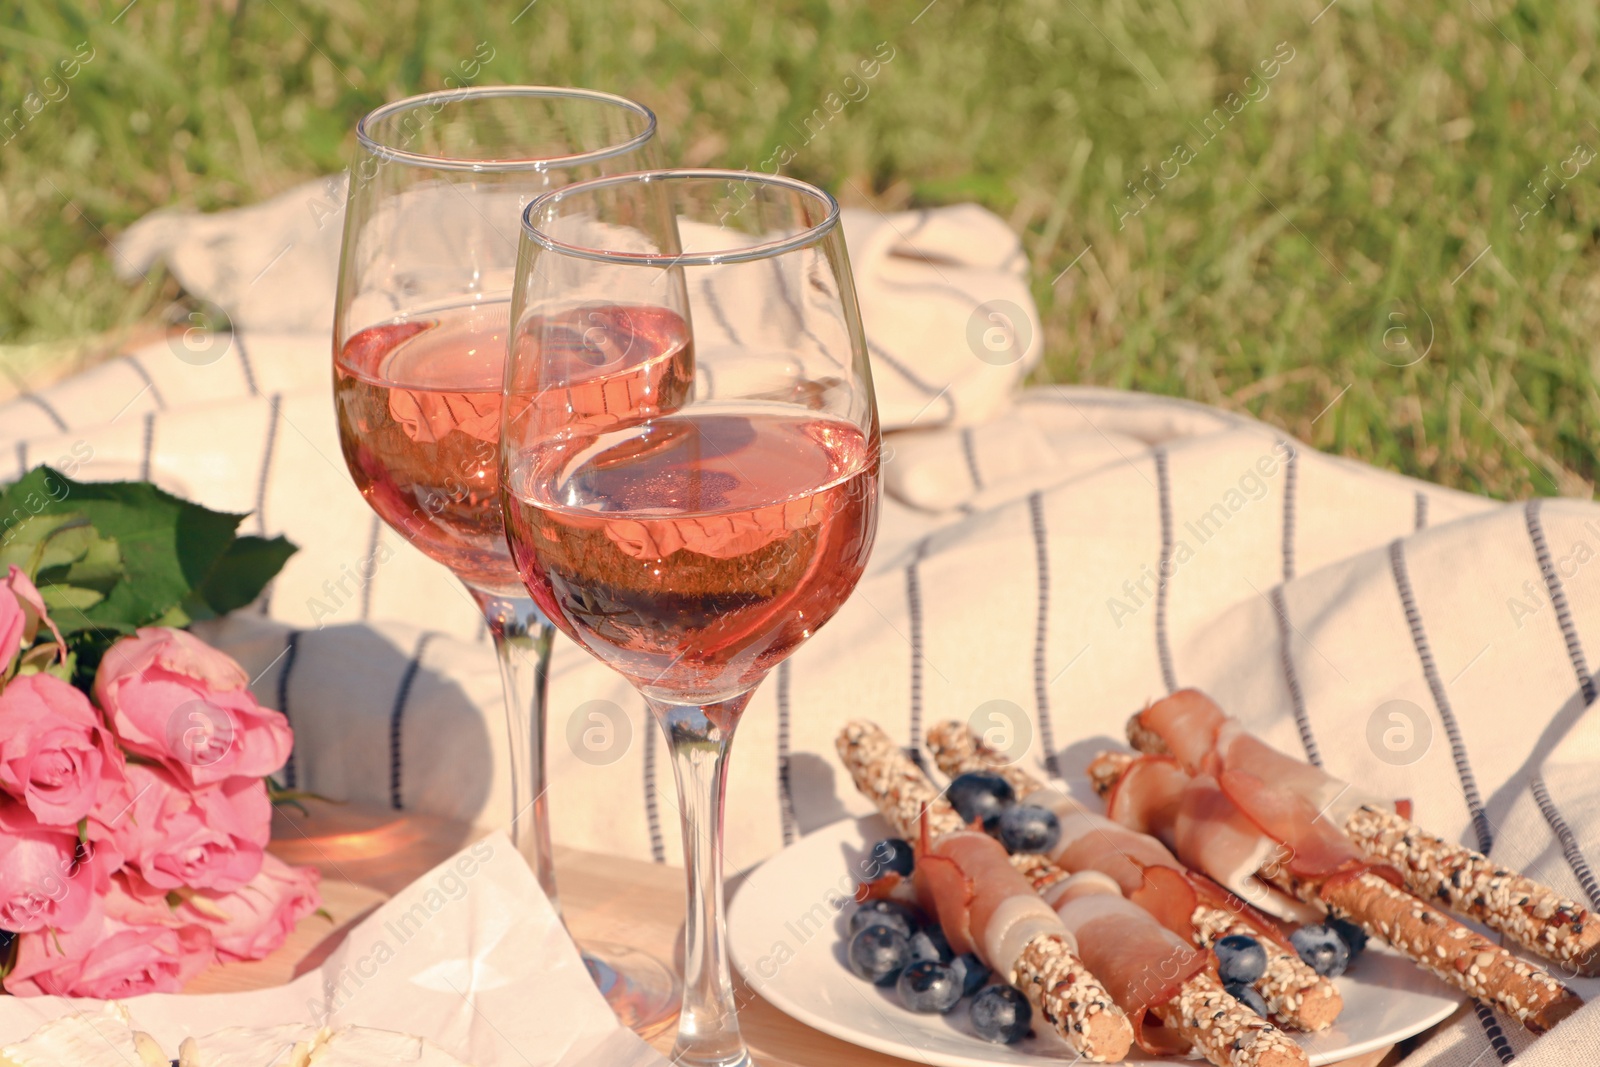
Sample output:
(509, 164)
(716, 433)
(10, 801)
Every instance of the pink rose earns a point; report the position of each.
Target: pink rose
(53, 750)
(170, 696)
(176, 837)
(21, 612)
(116, 956)
(45, 880)
(251, 923)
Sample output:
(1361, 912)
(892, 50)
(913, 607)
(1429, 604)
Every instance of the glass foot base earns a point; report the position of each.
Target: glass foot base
(643, 991)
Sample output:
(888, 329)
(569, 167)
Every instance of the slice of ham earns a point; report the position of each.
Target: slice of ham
(1206, 740)
(1141, 963)
(1147, 797)
(1209, 832)
(984, 904)
(1187, 721)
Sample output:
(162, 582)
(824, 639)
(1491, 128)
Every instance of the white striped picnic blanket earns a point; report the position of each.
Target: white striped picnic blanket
(1048, 561)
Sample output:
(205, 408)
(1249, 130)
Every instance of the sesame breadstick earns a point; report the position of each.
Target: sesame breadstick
(1427, 936)
(1298, 997)
(1465, 881)
(1214, 1023)
(1469, 883)
(1047, 970)
(1225, 1031)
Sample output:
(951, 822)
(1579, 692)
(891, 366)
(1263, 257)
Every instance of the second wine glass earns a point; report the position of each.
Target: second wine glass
(694, 526)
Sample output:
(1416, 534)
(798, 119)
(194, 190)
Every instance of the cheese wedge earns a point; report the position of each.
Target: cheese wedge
(250, 1046)
(358, 1046)
(95, 1039)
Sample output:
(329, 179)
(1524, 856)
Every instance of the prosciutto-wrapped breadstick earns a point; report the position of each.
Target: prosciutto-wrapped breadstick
(1156, 974)
(1157, 978)
(982, 903)
(1200, 819)
(1147, 873)
(1191, 727)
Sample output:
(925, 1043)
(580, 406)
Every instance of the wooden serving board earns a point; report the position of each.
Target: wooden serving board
(367, 855)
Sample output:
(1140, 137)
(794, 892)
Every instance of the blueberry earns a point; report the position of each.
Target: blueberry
(1240, 959)
(1354, 938)
(1247, 996)
(1001, 1014)
(892, 854)
(890, 913)
(930, 944)
(979, 795)
(1322, 949)
(929, 987)
(972, 971)
(878, 954)
(1026, 828)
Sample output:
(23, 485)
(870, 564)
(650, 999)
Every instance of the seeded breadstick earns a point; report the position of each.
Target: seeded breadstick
(1225, 1031)
(1427, 936)
(956, 750)
(1469, 883)
(1047, 970)
(1465, 881)
(885, 774)
(1298, 997)
(1040, 871)
(1214, 1023)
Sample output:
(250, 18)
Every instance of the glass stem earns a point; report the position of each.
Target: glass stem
(522, 638)
(698, 738)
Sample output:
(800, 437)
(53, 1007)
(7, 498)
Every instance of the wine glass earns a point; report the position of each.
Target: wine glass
(430, 247)
(690, 469)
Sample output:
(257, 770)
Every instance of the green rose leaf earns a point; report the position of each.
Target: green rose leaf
(242, 572)
(147, 555)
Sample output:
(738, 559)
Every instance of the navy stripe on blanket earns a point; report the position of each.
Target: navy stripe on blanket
(1570, 849)
(245, 365)
(148, 454)
(914, 614)
(786, 813)
(1169, 675)
(905, 372)
(1441, 699)
(1568, 841)
(1558, 598)
(1041, 635)
(1492, 1031)
(291, 648)
(1291, 481)
(1297, 697)
(652, 807)
(709, 296)
(396, 721)
(149, 383)
(969, 449)
(44, 405)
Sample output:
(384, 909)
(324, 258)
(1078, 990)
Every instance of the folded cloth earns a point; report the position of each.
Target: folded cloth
(1043, 569)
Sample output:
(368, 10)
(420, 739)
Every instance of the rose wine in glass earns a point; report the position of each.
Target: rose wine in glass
(693, 547)
(420, 357)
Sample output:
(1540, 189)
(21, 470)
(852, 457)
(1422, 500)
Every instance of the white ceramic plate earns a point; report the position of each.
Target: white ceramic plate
(785, 933)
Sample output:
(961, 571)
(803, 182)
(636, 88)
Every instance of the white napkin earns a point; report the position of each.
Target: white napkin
(470, 956)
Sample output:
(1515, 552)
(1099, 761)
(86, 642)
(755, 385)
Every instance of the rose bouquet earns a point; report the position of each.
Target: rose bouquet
(135, 806)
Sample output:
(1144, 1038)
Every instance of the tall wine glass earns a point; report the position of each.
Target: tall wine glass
(690, 543)
(430, 248)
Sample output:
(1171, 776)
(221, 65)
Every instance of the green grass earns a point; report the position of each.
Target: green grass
(1392, 149)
